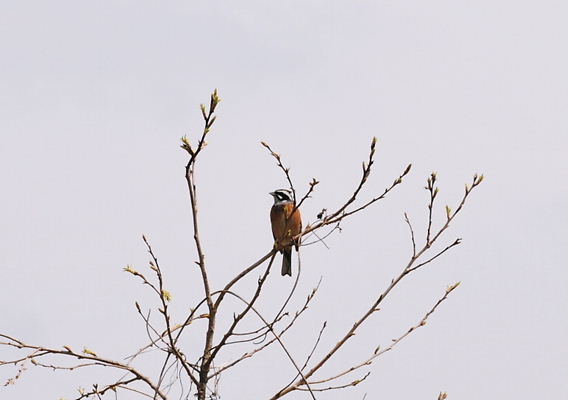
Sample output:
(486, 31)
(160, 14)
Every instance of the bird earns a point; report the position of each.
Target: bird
(286, 224)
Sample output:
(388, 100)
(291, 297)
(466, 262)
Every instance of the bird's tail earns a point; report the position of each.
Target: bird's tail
(287, 261)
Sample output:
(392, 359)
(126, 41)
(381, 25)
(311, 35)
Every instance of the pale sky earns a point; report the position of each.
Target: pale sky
(94, 97)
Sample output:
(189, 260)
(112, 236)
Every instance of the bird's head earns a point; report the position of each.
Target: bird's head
(282, 196)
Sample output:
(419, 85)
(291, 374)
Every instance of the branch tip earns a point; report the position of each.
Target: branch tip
(450, 288)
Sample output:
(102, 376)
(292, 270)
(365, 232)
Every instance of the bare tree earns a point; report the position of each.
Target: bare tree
(200, 376)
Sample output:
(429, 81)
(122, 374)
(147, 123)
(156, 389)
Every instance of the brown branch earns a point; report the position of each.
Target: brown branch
(277, 337)
(241, 275)
(448, 247)
(269, 326)
(220, 293)
(113, 387)
(451, 215)
(164, 334)
(238, 318)
(378, 352)
(40, 351)
(366, 172)
(209, 119)
(411, 234)
(312, 184)
(340, 214)
(196, 237)
(149, 327)
(322, 238)
(284, 169)
(178, 329)
(314, 347)
(255, 332)
(274, 339)
(396, 182)
(430, 186)
(59, 367)
(276, 318)
(353, 383)
(145, 281)
(280, 312)
(374, 307)
(164, 299)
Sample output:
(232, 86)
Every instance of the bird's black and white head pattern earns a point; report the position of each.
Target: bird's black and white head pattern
(282, 196)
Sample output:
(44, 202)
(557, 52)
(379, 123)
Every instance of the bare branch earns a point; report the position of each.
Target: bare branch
(277, 337)
(430, 186)
(448, 247)
(378, 351)
(284, 169)
(40, 351)
(411, 234)
(238, 318)
(274, 339)
(395, 183)
(366, 172)
(311, 352)
(341, 213)
(113, 387)
(353, 383)
(241, 275)
(164, 299)
(209, 119)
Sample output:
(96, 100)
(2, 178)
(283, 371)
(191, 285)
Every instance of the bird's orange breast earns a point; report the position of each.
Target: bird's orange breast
(286, 223)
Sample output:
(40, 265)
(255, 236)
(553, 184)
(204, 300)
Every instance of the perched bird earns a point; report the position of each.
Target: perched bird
(286, 224)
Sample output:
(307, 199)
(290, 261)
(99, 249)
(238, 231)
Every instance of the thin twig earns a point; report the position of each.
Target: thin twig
(433, 191)
(284, 169)
(86, 354)
(353, 383)
(378, 351)
(280, 334)
(215, 349)
(113, 387)
(411, 234)
(314, 347)
(448, 247)
(277, 337)
(164, 299)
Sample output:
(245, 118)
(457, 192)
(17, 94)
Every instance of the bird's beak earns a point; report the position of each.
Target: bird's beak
(271, 193)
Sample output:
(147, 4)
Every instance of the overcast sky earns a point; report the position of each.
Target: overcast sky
(94, 97)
